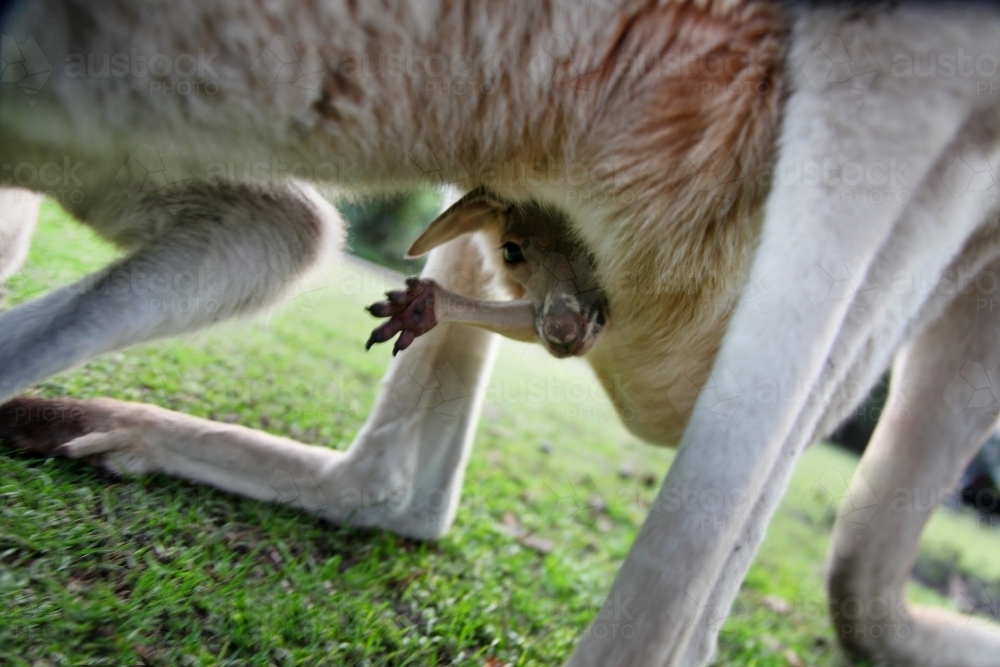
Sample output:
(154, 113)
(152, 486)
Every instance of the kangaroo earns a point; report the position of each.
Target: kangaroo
(760, 185)
(539, 263)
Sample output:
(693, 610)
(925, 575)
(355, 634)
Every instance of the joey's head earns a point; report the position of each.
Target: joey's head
(538, 257)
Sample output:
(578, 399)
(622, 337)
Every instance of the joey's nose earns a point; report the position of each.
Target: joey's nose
(564, 329)
(568, 323)
(563, 326)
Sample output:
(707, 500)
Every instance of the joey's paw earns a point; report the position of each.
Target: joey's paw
(410, 313)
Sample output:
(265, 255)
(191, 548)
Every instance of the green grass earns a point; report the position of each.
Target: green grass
(156, 571)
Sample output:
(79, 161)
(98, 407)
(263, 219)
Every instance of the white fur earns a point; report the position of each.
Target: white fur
(702, 240)
(17, 222)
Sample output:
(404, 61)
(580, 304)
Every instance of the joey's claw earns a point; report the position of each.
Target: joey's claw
(404, 341)
(396, 301)
(398, 297)
(383, 332)
(381, 309)
(410, 311)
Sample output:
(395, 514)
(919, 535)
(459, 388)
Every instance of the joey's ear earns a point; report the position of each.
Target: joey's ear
(469, 214)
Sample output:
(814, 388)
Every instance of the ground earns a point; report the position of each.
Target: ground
(157, 571)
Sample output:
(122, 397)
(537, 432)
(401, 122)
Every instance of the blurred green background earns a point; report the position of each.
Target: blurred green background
(381, 229)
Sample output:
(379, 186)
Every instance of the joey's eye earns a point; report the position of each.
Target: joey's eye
(512, 253)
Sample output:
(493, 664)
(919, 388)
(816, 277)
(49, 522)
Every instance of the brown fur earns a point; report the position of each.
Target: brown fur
(38, 425)
(703, 156)
(690, 179)
(671, 107)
